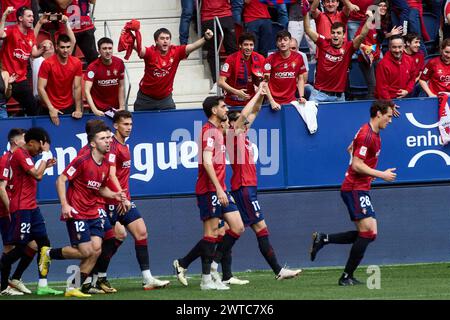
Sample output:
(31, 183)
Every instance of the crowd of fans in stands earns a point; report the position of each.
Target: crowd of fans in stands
(388, 40)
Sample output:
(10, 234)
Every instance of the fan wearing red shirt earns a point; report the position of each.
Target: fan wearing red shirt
(161, 64)
(333, 61)
(104, 80)
(87, 175)
(417, 58)
(213, 201)
(27, 224)
(284, 68)
(241, 71)
(435, 77)
(365, 150)
(244, 182)
(324, 20)
(395, 74)
(19, 43)
(60, 81)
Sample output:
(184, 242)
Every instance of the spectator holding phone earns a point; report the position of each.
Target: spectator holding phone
(19, 44)
(104, 85)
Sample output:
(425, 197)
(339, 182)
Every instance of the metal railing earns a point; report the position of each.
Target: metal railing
(107, 33)
(217, 48)
(198, 4)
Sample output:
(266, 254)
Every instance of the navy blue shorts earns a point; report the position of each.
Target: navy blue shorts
(359, 204)
(104, 219)
(4, 228)
(81, 231)
(210, 206)
(125, 219)
(247, 202)
(26, 225)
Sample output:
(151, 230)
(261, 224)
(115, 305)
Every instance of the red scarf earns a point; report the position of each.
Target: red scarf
(257, 63)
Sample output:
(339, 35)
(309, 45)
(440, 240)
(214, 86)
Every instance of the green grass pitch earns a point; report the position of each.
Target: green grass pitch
(416, 281)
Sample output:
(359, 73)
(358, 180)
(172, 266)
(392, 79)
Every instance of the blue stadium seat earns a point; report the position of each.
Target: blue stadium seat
(357, 86)
(431, 56)
(311, 73)
(275, 28)
(432, 27)
(303, 46)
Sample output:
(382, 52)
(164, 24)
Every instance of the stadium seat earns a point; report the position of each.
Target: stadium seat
(357, 86)
(431, 56)
(432, 27)
(303, 47)
(275, 28)
(311, 73)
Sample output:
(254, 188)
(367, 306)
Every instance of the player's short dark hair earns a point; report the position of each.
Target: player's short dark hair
(337, 25)
(122, 114)
(37, 134)
(283, 34)
(233, 115)
(62, 38)
(161, 30)
(395, 37)
(14, 132)
(382, 106)
(97, 129)
(410, 36)
(104, 40)
(209, 103)
(445, 43)
(21, 11)
(246, 36)
(92, 123)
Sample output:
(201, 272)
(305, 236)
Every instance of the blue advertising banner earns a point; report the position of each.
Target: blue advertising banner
(164, 147)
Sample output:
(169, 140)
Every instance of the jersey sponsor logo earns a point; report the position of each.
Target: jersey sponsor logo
(363, 151)
(112, 158)
(210, 142)
(126, 164)
(445, 78)
(108, 82)
(20, 54)
(29, 162)
(71, 171)
(92, 184)
(332, 58)
(91, 74)
(285, 75)
(160, 73)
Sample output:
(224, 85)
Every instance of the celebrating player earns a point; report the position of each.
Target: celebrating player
(365, 150)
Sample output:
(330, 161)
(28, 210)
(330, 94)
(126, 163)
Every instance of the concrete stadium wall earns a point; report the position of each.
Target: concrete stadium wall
(413, 227)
